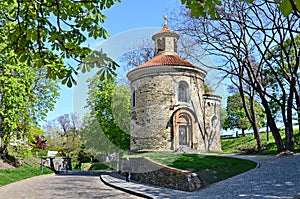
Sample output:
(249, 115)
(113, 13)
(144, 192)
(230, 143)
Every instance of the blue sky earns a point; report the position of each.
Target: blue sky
(125, 19)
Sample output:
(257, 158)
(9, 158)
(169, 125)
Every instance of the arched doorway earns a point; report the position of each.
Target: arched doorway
(183, 129)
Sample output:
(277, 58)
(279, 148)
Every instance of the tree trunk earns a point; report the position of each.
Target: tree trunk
(251, 115)
(297, 97)
(243, 132)
(272, 125)
(289, 133)
(260, 145)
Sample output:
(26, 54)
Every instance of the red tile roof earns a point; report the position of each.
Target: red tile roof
(165, 28)
(169, 60)
(166, 59)
(165, 31)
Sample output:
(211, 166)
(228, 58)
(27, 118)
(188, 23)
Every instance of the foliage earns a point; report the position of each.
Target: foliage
(15, 83)
(63, 134)
(61, 154)
(202, 8)
(236, 116)
(110, 104)
(31, 135)
(208, 89)
(94, 139)
(100, 60)
(223, 116)
(13, 175)
(36, 37)
(25, 96)
(45, 93)
(83, 156)
(46, 32)
(100, 166)
(283, 79)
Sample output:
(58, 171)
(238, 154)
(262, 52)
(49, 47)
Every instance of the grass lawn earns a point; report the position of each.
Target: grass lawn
(8, 176)
(210, 169)
(102, 166)
(248, 142)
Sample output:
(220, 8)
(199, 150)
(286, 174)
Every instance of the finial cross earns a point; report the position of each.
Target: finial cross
(166, 20)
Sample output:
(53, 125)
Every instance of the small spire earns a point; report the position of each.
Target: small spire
(166, 20)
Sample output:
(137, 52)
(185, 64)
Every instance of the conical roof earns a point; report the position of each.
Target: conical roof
(165, 51)
(168, 60)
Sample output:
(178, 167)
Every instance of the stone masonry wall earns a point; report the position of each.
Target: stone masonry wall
(150, 116)
(150, 172)
(212, 122)
(155, 95)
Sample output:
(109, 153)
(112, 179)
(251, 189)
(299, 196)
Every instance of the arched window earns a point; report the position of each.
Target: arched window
(183, 92)
(161, 45)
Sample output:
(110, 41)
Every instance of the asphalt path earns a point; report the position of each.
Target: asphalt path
(61, 186)
(276, 177)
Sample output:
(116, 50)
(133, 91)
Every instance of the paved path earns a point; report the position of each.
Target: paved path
(61, 187)
(276, 177)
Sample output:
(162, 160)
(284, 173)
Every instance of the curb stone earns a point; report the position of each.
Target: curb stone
(130, 191)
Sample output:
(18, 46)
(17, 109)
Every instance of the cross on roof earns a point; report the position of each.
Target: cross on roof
(166, 20)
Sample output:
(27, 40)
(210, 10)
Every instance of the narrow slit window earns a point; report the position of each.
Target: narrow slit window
(133, 99)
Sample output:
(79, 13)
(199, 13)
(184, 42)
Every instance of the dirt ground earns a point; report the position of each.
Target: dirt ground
(4, 165)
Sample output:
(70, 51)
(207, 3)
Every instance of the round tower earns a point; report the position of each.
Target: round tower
(167, 107)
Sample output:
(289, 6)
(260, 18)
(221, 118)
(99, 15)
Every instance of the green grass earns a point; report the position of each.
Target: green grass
(101, 166)
(210, 169)
(8, 176)
(83, 165)
(248, 142)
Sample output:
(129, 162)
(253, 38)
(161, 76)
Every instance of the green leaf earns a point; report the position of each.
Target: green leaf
(64, 81)
(286, 7)
(69, 84)
(298, 5)
(83, 70)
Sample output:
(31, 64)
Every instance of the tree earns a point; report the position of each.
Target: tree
(236, 115)
(25, 97)
(64, 134)
(283, 82)
(36, 38)
(95, 141)
(44, 92)
(202, 8)
(109, 103)
(13, 100)
(242, 38)
(47, 32)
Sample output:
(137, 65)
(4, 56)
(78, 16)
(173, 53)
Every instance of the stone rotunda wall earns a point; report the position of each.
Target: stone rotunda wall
(168, 108)
(155, 101)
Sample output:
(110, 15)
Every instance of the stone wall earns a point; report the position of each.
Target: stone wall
(150, 116)
(60, 164)
(150, 172)
(157, 115)
(212, 126)
(156, 100)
